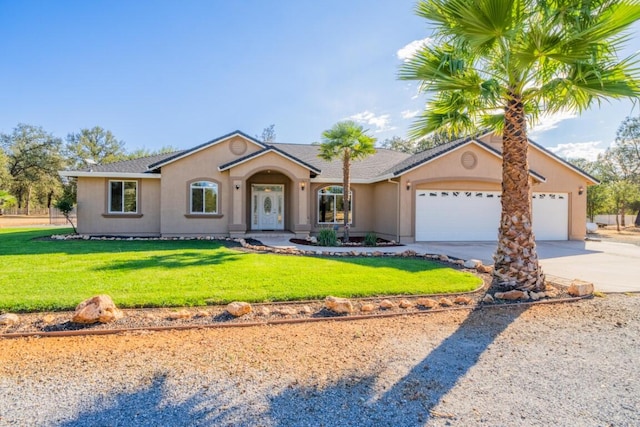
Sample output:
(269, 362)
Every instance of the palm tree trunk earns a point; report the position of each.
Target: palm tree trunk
(346, 192)
(516, 259)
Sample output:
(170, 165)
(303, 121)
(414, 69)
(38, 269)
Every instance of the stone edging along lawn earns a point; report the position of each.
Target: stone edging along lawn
(59, 324)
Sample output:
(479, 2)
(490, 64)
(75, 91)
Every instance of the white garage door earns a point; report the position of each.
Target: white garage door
(457, 215)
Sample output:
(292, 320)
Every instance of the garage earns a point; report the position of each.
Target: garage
(459, 215)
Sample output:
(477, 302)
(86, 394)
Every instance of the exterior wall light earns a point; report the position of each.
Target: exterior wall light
(408, 185)
(302, 186)
(237, 186)
(580, 190)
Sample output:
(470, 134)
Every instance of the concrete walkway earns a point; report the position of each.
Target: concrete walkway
(611, 267)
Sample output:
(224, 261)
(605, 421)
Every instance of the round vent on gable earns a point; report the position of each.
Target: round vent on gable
(468, 160)
(238, 146)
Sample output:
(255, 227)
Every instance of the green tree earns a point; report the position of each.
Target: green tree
(501, 64)
(65, 206)
(6, 201)
(349, 142)
(417, 145)
(91, 146)
(268, 134)
(33, 159)
(144, 152)
(623, 194)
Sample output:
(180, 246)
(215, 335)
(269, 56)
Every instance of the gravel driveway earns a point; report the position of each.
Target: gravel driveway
(570, 364)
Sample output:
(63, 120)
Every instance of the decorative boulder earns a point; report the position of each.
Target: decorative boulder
(366, 308)
(386, 304)
(237, 309)
(462, 300)
(405, 303)
(338, 305)
(488, 299)
(427, 302)
(580, 288)
(445, 302)
(472, 263)
(98, 309)
(176, 315)
(510, 295)
(9, 319)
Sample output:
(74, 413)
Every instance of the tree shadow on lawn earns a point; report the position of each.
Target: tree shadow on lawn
(174, 260)
(352, 401)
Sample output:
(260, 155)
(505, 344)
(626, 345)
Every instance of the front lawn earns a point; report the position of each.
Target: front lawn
(37, 274)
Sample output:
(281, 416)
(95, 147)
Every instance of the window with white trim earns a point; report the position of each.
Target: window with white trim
(123, 196)
(204, 197)
(331, 205)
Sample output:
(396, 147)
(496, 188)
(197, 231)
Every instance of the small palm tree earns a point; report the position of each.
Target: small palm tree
(349, 141)
(500, 64)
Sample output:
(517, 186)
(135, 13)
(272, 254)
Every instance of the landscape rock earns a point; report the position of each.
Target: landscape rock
(202, 313)
(48, 319)
(238, 308)
(285, 311)
(488, 299)
(262, 311)
(443, 258)
(445, 302)
(462, 300)
(338, 305)
(580, 288)
(366, 308)
(551, 292)
(386, 304)
(510, 295)
(98, 309)
(305, 309)
(9, 319)
(176, 315)
(405, 303)
(427, 302)
(484, 269)
(472, 263)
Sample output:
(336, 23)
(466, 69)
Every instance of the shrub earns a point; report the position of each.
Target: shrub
(371, 239)
(327, 237)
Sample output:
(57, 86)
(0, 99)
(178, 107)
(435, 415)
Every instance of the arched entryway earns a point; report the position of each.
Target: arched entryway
(269, 201)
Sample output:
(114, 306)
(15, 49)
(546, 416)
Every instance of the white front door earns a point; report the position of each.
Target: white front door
(267, 207)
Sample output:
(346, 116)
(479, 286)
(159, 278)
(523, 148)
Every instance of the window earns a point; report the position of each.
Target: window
(331, 205)
(123, 196)
(204, 197)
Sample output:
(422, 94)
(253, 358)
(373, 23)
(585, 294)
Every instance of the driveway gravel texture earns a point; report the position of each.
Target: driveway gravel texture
(571, 364)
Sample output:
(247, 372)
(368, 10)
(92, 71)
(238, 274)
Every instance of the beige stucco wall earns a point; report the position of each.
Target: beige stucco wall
(364, 207)
(234, 203)
(559, 179)
(447, 173)
(386, 198)
(93, 217)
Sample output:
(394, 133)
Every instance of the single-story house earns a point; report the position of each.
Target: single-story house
(236, 185)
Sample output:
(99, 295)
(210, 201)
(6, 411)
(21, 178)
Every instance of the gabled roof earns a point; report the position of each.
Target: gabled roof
(268, 149)
(206, 145)
(125, 169)
(564, 162)
(431, 154)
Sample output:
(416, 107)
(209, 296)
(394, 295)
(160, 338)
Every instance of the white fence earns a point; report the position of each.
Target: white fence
(611, 219)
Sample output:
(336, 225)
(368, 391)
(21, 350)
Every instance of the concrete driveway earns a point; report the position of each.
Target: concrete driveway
(611, 267)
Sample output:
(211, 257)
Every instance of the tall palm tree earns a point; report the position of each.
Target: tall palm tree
(500, 64)
(349, 141)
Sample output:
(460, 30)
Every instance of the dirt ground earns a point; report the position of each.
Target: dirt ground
(629, 234)
(25, 221)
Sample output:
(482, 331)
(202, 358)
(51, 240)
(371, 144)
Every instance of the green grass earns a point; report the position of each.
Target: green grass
(38, 274)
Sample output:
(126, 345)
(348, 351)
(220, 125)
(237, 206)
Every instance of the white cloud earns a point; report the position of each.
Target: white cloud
(409, 114)
(406, 53)
(578, 150)
(551, 121)
(380, 122)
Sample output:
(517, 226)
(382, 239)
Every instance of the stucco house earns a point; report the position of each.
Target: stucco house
(236, 185)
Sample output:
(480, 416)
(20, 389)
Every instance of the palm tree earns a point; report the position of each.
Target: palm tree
(346, 140)
(500, 64)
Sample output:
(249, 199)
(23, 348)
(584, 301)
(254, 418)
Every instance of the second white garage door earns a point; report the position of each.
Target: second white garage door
(454, 215)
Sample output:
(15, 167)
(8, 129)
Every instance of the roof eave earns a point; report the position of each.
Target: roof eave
(83, 174)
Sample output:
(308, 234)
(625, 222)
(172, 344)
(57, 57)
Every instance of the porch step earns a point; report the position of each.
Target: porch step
(285, 235)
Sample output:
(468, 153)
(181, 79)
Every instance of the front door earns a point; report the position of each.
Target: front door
(267, 207)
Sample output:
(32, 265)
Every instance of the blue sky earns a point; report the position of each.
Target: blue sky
(160, 73)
